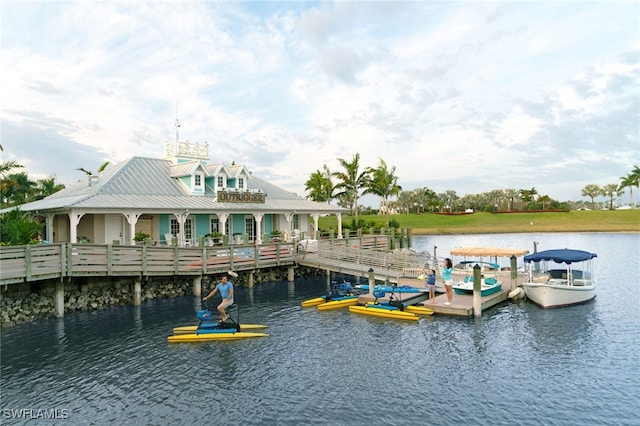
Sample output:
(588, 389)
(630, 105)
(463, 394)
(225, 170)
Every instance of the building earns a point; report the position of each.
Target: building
(181, 199)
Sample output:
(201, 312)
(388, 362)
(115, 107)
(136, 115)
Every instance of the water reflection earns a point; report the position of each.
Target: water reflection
(378, 371)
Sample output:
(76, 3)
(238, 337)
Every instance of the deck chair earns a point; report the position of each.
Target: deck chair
(168, 237)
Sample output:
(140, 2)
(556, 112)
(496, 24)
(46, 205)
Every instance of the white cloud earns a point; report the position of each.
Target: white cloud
(460, 96)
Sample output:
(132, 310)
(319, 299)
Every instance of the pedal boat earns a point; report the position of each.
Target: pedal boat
(208, 330)
(211, 335)
(383, 311)
(189, 329)
(340, 296)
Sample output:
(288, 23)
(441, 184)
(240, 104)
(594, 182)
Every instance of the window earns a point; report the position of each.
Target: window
(197, 181)
(220, 181)
(295, 222)
(188, 229)
(249, 227)
(174, 227)
(240, 183)
(214, 225)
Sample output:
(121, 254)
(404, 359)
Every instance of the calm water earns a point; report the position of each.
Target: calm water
(516, 365)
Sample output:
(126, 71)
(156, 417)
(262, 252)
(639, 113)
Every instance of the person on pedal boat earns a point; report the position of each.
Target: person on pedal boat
(225, 288)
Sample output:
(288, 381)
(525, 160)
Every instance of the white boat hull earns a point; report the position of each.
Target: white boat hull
(557, 295)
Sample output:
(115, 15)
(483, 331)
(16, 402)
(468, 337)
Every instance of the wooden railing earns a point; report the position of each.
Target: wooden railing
(357, 256)
(28, 263)
(45, 261)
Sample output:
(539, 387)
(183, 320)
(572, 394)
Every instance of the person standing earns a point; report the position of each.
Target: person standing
(431, 283)
(225, 288)
(447, 280)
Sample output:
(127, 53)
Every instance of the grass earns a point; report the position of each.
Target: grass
(489, 223)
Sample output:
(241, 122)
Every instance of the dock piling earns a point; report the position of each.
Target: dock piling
(477, 291)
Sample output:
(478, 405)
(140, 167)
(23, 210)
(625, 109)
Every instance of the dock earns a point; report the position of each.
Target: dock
(461, 305)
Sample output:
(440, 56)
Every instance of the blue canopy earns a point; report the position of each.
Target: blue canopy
(560, 256)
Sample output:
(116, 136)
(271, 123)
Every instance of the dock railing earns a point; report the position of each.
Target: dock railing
(25, 263)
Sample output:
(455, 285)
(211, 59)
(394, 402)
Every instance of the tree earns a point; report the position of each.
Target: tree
(631, 180)
(46, 187)
(320, 186)
(100, 169)
(20, 191)
(611, 190)
(526, 195)
(591, 191)
(543, 199)
(511, 195)
(17, 228)
(383, 183)
(351, 182)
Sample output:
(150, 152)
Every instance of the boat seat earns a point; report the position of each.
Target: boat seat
(490, 281)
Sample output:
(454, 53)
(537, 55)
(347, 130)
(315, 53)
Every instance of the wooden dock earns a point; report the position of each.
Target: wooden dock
(462, 304)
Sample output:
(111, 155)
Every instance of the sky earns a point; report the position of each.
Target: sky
(465, 96)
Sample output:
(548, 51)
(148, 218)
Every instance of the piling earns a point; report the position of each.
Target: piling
(197, 286)
(59, 299)
(372, 281)
(514, 273)
(137, 291)
(477, 291)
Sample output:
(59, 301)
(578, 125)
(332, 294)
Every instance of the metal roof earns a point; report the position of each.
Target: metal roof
(146, 184)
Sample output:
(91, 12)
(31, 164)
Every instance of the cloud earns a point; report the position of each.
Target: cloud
(464, 96)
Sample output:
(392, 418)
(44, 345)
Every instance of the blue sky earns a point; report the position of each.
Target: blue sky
(463, 96)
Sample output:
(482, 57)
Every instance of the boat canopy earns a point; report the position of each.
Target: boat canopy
(560, 256)
(488, 251)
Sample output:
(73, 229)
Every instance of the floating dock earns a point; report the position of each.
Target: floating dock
(461, 305)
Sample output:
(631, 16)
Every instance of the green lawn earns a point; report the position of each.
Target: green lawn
(481, 223)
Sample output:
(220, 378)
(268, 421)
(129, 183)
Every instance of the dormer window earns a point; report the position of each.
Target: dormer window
(197, 181)
(220, 181)
(240, 183)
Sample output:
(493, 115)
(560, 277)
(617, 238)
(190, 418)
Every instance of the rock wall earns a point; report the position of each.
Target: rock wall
(28, 302)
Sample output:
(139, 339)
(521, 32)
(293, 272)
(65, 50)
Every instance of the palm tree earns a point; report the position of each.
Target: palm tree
(100, 169)
(351, 181)
(383, 183)
(544, 199)
(526, 195)
(631, 180)
(320, 186)
(46, 187)
(611, 190)
(591, 191)
(6, 183)
(20, 191)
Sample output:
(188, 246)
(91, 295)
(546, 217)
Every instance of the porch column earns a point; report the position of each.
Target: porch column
(258, 217)
(49, 224)
(288, 217)
(339, 216)
(222, 217)
(132, 218)
(315, 217)
(182, 218)
(74, 219)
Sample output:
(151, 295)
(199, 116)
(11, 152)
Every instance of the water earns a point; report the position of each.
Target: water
(516, 365)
